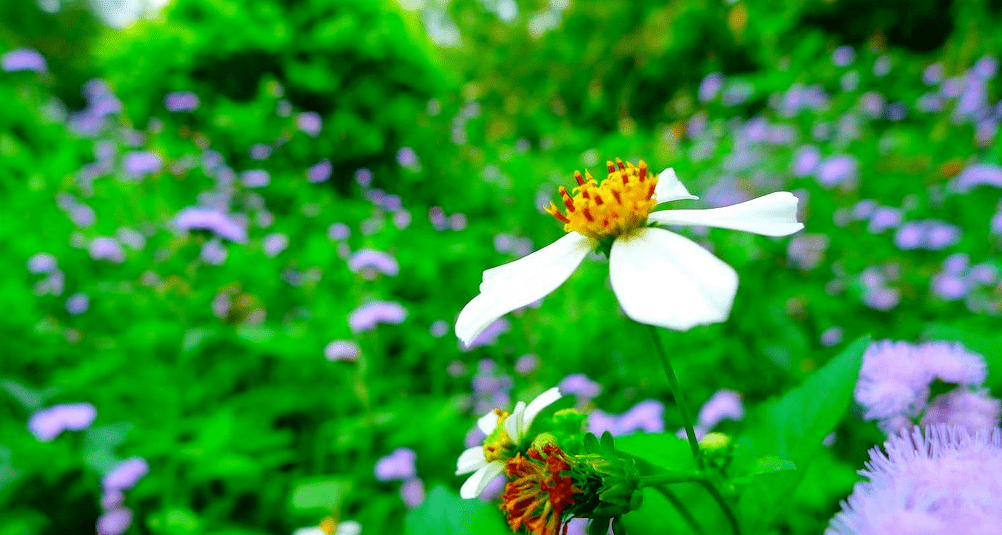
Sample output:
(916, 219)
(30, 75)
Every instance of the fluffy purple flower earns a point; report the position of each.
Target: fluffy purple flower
(806, 160)
(578, 384)
(490, 335)
(131, 238)
(942, 481)
(647, 416)
(111, 499)
(342, 350)
(832, 336)
(972, 176)
(319, 172)
(807, 251)
(82, 215)
(259, 151)
(439, 328)
(399, 464)
(255, 178)
(338, 232)
(115, 521)
(363, 177)
(985, 68)
(23, 59)
(949, 286)
(369, 315)
(310, 123)
(962, 407)
(77, 304)
(843, 56)
(41, 263)
(406, 157)
(126, 474)
(526, 364)
(882, 298)
(47, 424)
(371, 261)
(933, 74)
(181, 101)
(213, 253)
(412, 492)
(882, 65)
(457, 222)
(274, 244)
(215, 221)
(722, 405)
(837, 170)
(138, 164)
(892, 381)
(710, 86)
(104, 248)
(951, 362)
(884, 217)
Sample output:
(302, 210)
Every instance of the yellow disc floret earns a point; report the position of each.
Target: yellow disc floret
(620, 204)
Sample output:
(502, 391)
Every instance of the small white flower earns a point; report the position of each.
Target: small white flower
(331, 527)
(487, 461)
(660, 278)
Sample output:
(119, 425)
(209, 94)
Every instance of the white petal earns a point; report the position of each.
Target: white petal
(663, 279)
(535, 406)
(669, 188)
(772, 215)
(519, 283)
(471, 459)
(514, 424)
(479, 480)
(488, 422)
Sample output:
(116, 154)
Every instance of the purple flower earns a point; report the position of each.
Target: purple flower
(77, 304)
(972, 410)
(319, 172)
(832, 336)
(526, 364)
(259, 151)
(342, 350)
(439, 328)
(884, 217)
(138, 164)
(397, 465)
(309, 123)
(104, 248)
(111, 499)
(909, 236)
(722, 405)
(181, 101)
(872, 104)
(647, 416)
(892, 381)
(882, 66)
(82, 215)
(115, 521)
(126, 474)
(41, 263)
(412, 492)
(255, 178)
(369, 315)
(490, 335)
(371, 261)
(949, 286)
(837, 170)
(213, 253)
(457, 222)
(985, 68)
(402, 219)
(578, 384)
(406, 157)
(131, 238)
(983, 273)
(843, 56)
(274, 244)
(47, 424)
(215, 221)
(806, 251)
(338, 232)
(956, 263)
(933, 74)
(710, 86)
(23, 59)
(972, 176)
(953, 363)
(363, 177)
(942, 481)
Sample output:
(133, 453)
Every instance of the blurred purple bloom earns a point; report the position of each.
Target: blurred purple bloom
(319, 172)
(131, 238)
(884, 217)
(984, 274)
(892, 381)
(138, 164)
(940, 235)
(956, 263)
(933, 74)
(942, 481)
(104, 248)
(929, 103)
(259, 151)
(843, 56)
(972, 410)
(371, 261)
(23, 59)
(77, 304)
(437, 217)
(48, 423)
(493, 489)
(213, 253)
(402, 219)
(882, 66)
(255, 178)
(215, 221)
(849, 81)
(181, 101)
(526, 364)
(439, 328)
(338, 232)
(457, 222)
(864, 209)
(832, 336)
(807, 251)
(111, 498)
(977, 175)
(882, 298)
(578, 384)
(115, 521)
(274, 244)
(806, 160)
(722, 405)
(985, 68)
(406, 157)
(909, 236)
(342, 350)
(949, 287)
(896, 111)
(490, 335)
(647, 416)
(41, 263)
(837, 170)
(363, 177)
(872, 103)
(309, 123)
(366, 317)
(126, 474)
(412, 492)
(710, 86)
(82, 215)
(953, 363)
(399, 464)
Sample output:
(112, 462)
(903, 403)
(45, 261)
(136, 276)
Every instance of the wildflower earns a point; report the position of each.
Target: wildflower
(138, 164)
(47, 424)
(115, 521)
(213, 252)
(580, 385)
(23, 59)
(941, 481)
(342, 350)
(647, 416)
(371, 261)
(77, 304)
(215, 221)
(310, 123)
(538, 490)
(367, 316)
(181, 101)
(330, 526)
(659, 277)
(104, 248)
(412, 492)
(722, 405)
(255, 178)
(41, 263)
(125, 475)
(505, 433)
(274, 244)
(320, 171)
(962, 407)
(397, 465)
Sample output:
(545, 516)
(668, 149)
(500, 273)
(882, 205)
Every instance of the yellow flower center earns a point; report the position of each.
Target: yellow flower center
(498, 446)
(620, 204)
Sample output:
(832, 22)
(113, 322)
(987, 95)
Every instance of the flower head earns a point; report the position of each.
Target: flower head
(538, 491)
(505, 434)
(659, 277)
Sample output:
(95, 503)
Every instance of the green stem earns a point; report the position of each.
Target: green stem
(676, 392)
(682, 510)
(669, 478)
(731, 519)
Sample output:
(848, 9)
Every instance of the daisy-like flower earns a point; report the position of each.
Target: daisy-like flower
(660, 278)
(505, 432)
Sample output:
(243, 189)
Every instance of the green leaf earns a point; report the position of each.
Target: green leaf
(445, 513)
(792, 428)
(323, 495)
(663, 450)
(29, 398)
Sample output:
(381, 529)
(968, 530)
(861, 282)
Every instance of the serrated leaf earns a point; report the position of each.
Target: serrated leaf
(792, 427)
(445, 513)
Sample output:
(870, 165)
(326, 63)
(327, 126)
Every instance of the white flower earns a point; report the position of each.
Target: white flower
(487, 461)
(660, 278)
(331, 527)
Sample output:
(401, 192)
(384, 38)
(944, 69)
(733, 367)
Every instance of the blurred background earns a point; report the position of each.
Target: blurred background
(236, 235)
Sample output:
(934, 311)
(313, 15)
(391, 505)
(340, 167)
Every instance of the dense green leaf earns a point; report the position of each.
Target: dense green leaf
(445, 513)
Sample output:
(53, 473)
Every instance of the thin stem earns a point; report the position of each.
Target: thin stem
(682, 510)
(731, 519)
(676, 392)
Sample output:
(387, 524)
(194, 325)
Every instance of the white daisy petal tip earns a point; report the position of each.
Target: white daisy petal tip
(475, 484)
(472, 459)
(541, 402)
(488, 422)
(670, 188)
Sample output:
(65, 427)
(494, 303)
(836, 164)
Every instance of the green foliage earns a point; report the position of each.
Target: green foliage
(445, 513)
